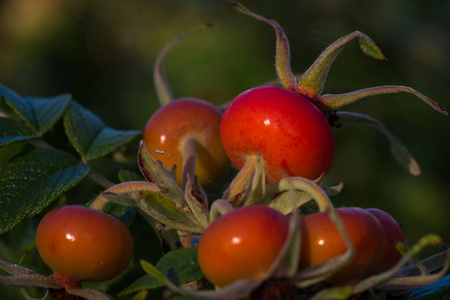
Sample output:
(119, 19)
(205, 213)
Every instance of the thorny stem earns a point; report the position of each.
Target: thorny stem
(161, 85)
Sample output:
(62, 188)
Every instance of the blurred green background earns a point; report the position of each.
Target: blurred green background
(102, 52)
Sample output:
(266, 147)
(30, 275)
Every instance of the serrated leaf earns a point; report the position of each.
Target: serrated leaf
(30, 182)
(90, 136)
(12, 131)
(40, 114)
(178, 266)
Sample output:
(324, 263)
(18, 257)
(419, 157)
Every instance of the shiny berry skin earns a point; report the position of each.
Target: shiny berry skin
(242, 244)
(393, 233)
(292, 134)
(79, 243)
(172, 124)
(321, 242)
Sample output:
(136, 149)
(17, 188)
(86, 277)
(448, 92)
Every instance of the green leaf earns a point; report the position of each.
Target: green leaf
(30, 182)
(181, 265)
(178, 266)
(40, 114)
(90, 136)
(12, 131)
(438, 290)
(125, 175)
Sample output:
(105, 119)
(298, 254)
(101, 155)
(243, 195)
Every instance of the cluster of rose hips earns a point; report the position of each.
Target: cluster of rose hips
(287, 131)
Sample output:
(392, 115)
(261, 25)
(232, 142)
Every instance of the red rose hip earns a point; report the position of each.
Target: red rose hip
(292, 134)
(242, 244)
(79, 243)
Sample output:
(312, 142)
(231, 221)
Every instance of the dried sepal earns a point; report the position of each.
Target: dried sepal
(242, 181)
(197, 201)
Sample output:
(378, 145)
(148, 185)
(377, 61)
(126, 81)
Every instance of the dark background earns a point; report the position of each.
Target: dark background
(102, 52)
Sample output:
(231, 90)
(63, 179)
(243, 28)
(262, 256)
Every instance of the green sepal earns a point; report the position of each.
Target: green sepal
(247, 182)
(305, 190)
(257, 184)
(154, 171)
(282, 55)
(337, 101)
(163, 210)
(313, 80)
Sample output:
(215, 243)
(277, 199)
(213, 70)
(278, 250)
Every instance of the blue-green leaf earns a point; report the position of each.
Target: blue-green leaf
(30, 182)
(89, 135)
(40, 114)
(13, 131)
